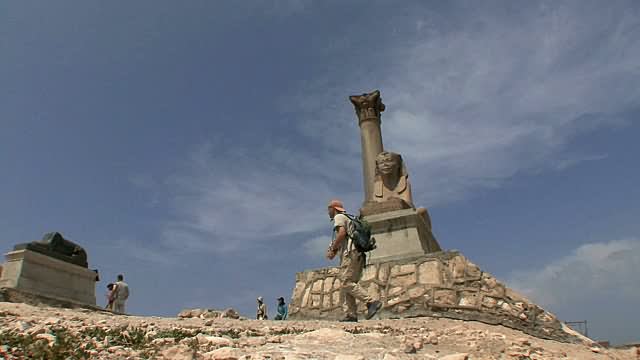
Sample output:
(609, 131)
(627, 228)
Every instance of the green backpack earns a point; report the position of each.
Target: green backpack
(361, 234)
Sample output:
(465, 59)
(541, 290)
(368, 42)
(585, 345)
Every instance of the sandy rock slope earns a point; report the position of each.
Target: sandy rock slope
(44, 332)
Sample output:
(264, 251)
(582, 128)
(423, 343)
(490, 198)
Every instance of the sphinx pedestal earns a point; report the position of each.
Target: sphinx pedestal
(441, 284)
(32, 272)
(400, 234)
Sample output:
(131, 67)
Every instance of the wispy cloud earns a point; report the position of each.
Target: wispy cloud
(131, 250)
(276, 8)
(143, 181)
(229, 200)
(478, 101)
(470, 104)
(316, 247)
(565, 163)
(592, 271)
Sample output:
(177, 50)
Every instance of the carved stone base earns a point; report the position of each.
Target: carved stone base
(442, 284)
(400, 234)
(393, 204)
(43, 275)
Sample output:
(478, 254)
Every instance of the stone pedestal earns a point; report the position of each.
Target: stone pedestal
(441, 284)
(400, 234)
(43, 275)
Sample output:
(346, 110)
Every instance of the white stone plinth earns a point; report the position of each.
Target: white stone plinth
(400, 234)
(43, 275)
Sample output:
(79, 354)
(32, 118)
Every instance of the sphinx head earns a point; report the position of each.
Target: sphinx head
(388, 163)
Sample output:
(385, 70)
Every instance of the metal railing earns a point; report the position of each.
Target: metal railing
(579, 326)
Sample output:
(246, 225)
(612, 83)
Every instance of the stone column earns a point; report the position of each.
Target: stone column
(368, 108)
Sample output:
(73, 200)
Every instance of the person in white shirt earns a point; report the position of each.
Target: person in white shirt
(351, 265)
(121, 294)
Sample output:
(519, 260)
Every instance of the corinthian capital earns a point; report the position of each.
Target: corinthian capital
(368, 106)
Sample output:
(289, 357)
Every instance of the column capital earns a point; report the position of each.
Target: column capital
(368, 106)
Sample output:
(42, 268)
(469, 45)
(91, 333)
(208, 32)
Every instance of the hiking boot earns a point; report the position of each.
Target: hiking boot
(372, 308)
(349, 318)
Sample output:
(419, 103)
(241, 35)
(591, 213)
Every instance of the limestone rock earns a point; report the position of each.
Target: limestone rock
(348, 357)
(163, 341)
(106, 337)
(22, 326)
(230, 313)
(216, 341)
(186, 313)
(459, 356)
(327, 334)
(178, 352)
(225, 353)
(208, 314)
(409, 348)
(51, 339)
(390, 357)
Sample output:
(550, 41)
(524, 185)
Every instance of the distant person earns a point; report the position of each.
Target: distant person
(351, 264)
(110, 294)
(262, 310)
(121, 294)
(283, 310)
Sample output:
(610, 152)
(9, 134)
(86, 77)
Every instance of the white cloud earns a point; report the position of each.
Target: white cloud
(491, 96)
(278, 8)
(592, 271)
(571, 161)
(317, 247)
(130, 250)
(228, 202)
(469, 105)
(143, 181)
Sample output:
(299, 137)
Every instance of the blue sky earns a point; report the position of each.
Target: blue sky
(193, 146)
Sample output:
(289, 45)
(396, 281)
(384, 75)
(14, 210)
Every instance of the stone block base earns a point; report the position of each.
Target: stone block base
(400, 234)
(441, 284)
(39, 274)
(25, 297)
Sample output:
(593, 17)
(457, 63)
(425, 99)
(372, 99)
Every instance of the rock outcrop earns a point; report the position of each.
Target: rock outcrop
(48, 333)
(440, 284)
(229, 313)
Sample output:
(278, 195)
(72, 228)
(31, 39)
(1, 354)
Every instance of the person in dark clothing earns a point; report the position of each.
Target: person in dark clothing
(283, 310)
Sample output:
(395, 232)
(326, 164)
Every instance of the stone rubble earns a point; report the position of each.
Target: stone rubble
(209, 314)
(102, 335)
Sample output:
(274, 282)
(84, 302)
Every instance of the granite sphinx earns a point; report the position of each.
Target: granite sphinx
(54, 245)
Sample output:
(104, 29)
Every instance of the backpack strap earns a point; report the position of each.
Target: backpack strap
(349, 237)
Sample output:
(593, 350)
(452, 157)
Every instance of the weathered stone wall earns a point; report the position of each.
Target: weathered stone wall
(44, 275)
(26, 297)
(442, 284)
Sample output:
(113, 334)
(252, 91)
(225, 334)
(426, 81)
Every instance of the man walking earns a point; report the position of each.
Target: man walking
(351, 264)
(121, 294)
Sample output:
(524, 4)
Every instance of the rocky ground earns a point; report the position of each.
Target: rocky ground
(54, 333)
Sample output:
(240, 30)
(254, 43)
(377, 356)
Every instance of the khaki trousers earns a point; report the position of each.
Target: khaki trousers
(118, 306)
(350, 272)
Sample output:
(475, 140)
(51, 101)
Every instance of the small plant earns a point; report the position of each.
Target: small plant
(137, 338)
(232, 333)
(133, 338)
(177, 334)
(23, 346)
